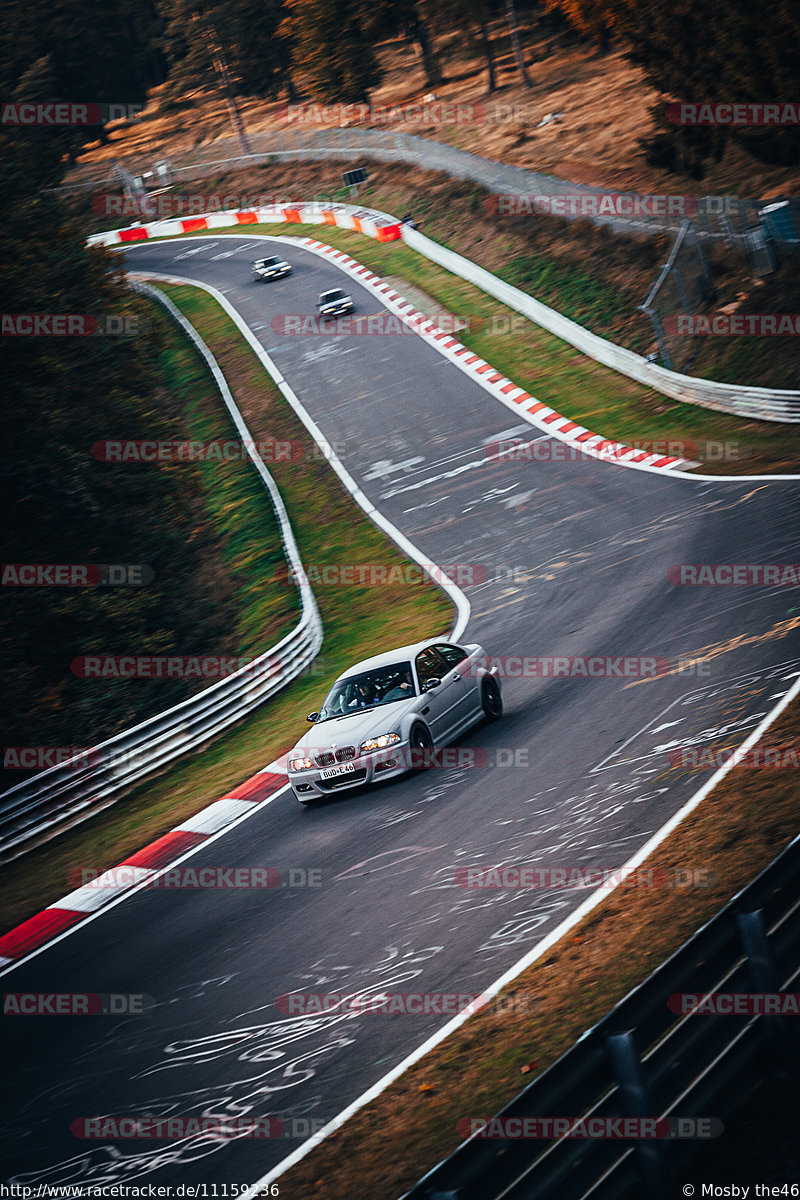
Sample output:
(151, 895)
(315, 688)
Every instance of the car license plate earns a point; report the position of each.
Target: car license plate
(332, 772)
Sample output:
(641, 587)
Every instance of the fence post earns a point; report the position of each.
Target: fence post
(636, 1103)
(661, 337)
(763, 977)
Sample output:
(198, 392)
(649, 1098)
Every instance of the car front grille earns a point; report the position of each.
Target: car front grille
(326, 758)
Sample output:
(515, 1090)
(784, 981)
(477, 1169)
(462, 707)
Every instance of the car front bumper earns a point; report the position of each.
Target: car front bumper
(339, 311)
(367, 768)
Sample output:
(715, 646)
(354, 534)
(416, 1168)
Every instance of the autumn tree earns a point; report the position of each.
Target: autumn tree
(704, 52)
(332, 43)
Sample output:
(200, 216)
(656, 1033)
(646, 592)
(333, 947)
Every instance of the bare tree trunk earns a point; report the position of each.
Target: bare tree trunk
(511, 15)
(291, 91)
(487, 50)
(221, 67)
(418, 32)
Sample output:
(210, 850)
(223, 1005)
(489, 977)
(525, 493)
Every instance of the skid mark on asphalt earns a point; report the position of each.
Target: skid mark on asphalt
(268, 1062)
(708, 653)
(706, 715)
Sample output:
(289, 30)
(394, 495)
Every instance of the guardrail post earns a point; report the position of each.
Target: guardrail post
(633, 1089)
(661, 337)
(764, 978)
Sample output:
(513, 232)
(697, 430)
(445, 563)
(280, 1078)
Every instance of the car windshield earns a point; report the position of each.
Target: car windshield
(384, 685)
(328, 297)
(270, 262)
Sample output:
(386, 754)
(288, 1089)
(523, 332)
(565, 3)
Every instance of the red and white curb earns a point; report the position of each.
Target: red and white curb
(509, 393)
(140, 868)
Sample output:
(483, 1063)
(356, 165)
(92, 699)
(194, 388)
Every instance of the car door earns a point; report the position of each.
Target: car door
(457, 662)
(445, 702)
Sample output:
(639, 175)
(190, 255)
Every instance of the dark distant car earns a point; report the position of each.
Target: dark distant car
(334, 303)
(271, 268)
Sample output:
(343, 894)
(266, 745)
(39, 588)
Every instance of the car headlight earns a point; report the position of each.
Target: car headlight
(381, 742)
(300, 764)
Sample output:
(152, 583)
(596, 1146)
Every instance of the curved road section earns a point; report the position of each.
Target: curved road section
(566, 560)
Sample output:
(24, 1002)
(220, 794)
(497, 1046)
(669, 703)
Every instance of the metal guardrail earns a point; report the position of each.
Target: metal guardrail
(642, 1060)
(715, 217)
(53, 800)
(763, 404)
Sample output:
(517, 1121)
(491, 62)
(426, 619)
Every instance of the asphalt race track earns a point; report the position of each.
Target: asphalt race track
(576, 558)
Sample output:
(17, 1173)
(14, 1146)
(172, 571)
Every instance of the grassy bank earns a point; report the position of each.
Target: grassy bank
(329, 529)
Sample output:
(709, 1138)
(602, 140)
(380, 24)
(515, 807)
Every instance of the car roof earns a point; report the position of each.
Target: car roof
(401, 654)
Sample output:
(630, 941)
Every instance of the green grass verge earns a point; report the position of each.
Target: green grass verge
(559, 375)
(235, 501)
(329, 528)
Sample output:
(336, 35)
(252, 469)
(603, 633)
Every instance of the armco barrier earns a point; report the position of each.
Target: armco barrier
(52, 800)
(644, 1061)
(763, 404)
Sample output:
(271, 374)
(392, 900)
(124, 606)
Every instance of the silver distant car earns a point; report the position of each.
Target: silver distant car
(271, 268)
(334, 303)
(386, 713)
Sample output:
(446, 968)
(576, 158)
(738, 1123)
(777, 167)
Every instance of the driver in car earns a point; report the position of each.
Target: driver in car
(401, 689)
(362, 696)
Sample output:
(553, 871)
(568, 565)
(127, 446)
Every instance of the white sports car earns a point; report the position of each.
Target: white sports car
(271, 268)
(334, 303)
(385, 714)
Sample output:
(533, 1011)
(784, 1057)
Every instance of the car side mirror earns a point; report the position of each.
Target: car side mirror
(430, 684)
(312, 717)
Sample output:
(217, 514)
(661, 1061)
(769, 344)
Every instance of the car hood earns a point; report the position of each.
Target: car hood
(353, 730)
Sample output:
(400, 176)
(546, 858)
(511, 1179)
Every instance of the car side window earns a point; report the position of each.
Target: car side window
(430, 665)
(452, 655)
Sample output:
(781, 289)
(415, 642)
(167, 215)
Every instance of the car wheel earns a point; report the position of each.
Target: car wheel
(491, 700)
(420, 743)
